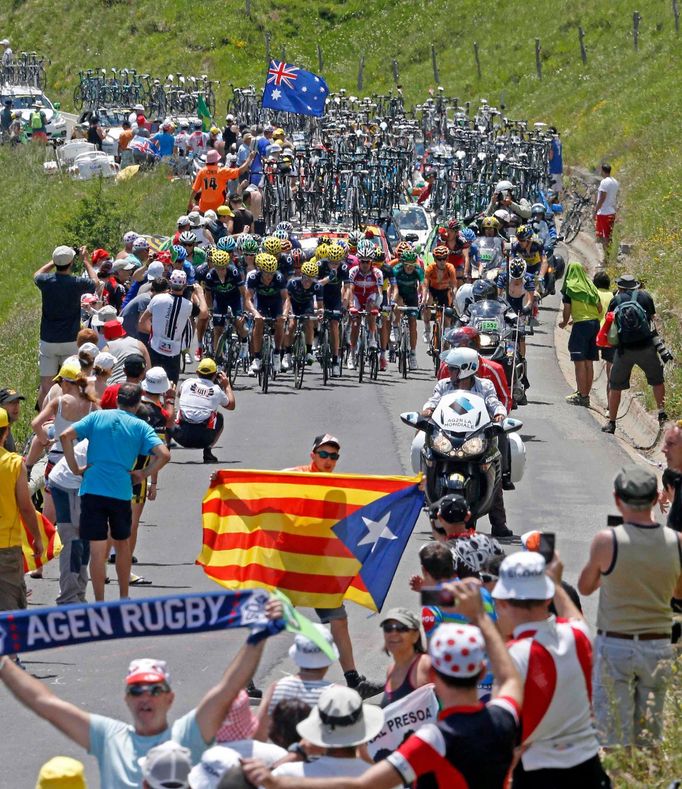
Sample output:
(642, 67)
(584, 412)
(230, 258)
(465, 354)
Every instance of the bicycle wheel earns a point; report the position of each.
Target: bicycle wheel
(207, 348)
(373, 364)
(435, 346)
(232, 364)
(299, 360)
(403, 355)
(571, 227)
(78, 97)
(264, 374)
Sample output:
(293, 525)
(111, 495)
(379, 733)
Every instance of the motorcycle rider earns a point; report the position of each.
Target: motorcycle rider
(463, 364)
(503, 198)
(517, 287)
(492, 241)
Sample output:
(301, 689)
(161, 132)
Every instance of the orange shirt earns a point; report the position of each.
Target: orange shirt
(124, 138)
(440, 279)
(211, 181)
(309, 468)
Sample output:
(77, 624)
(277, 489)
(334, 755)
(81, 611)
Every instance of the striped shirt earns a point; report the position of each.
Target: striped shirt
(170, 314)
(293, 687)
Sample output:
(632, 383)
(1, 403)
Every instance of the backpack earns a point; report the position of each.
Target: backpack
(36, 120)
(631, 320)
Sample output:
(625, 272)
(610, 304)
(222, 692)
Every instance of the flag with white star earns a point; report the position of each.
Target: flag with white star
(292, 89)
(377, 535)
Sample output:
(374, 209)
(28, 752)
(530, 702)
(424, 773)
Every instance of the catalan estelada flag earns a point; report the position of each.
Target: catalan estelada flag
(280, 530)
(52, 545)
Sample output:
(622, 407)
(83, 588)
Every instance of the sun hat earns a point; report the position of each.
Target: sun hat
(635, 485)
(215, 762)
(178, 280)
(207, 366)
(522, 577)
(183, 220)
(307, 654)
(155, 269)
(341, 720)
(61, 772)
(113, 330)
(156, 381)
(627, 282)
(240, 723)
(69, 371)
(457, 650)
(166, 765)
(212, 157)
(104, 315)
(63, 255)
(402, 615)
(140, 243)
(105, 360)
(195, 219)
(146, 670)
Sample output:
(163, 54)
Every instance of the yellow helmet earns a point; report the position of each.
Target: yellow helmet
(309, 269)
(266, 263)
(336, 253)
(272, 245)
(220, 258)
(322, 251)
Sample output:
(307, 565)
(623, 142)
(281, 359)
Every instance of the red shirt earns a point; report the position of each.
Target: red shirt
(494, 372)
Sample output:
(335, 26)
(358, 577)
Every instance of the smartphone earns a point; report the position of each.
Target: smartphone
(614, 520)
(546, 547)
(434, 595)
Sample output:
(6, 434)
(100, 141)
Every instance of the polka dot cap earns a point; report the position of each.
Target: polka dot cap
(457, 650)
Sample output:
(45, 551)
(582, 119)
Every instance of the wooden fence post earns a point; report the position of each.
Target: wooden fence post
(583, 51)
(268, 57)
(636, 19)
(320, 59)
(538, 62)
(676, 12)
(478, 61)
(361, 68)
(284, 54)
(436, 75)
(248, 8)
(396, 74)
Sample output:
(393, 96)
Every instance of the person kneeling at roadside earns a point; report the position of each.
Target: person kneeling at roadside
(199, 423)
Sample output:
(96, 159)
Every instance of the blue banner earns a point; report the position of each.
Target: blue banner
(65, 625)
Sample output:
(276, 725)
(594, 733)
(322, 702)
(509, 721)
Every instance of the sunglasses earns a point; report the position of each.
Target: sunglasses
(394, 627)
(324, 454)
(488, 578)
(438, 529)
(153, 690)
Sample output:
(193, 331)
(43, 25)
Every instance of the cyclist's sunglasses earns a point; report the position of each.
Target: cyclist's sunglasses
(441, 257)
(324, 454)
(394, 627)
(153, 690)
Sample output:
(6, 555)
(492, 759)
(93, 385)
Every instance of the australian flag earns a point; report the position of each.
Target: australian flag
(292, 89)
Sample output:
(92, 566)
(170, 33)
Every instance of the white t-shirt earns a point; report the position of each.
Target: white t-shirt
(266, 752)
(610, 188)
(169, 318)
(200, 399)
(61, 475)
(324, 767)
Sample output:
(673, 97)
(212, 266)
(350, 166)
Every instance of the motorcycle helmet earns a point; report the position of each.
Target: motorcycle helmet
(490, 222)
(537, 209)
(484, 290)
(463, 359)
(463, 297)
(517, 268)
(462, 337)
(524, 232)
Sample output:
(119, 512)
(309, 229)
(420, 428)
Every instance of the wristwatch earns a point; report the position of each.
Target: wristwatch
(299, 750)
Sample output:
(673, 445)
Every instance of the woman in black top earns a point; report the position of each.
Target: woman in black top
(95, 132)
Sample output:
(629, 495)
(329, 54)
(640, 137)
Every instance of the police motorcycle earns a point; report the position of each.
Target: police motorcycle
(457, 449)
(544, 228)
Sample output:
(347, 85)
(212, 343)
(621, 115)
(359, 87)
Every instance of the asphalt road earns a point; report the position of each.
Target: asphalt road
(566, 489)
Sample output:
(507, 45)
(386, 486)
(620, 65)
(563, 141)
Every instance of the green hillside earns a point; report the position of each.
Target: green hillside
(622, 105)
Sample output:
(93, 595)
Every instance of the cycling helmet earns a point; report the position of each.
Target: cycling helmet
(454, 224)
(401, 247)
(365, 249)
(463, 359)
(227, 243)
(272, 246)
(282, 235)
(490, 221)
(323, 240)
(220, 258)
(354, 238)
(469, 235)
(250, 246)
(287, 227)
(286, 245)
(266, 263)
(309, 269)
(322, 251)
(517, 268)
(209, 253)
(379, 256)
(484, 290)
(336, 253)
(188, 237)
(462, 337)
(178, 252)
(441, 252)
(537, 208)
(408, 256)
(524, 232)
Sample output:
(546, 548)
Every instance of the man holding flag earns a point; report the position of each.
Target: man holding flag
(15, 505)
(210, 184)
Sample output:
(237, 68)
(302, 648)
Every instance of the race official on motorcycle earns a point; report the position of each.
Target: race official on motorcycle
(503, 198)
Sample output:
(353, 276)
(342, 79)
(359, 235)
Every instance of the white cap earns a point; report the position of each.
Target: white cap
(307, 654)
(155, 269)
(457, 650)
(210, 215)
(104, 315)
(195, 219)
(105, 360)
(522, 577)
(63, 255)
(183, 220)
(156, 381)
(140, 243)
(215, 762)
(147, 671)
(168, 764)
(178, 279)
(139, 107)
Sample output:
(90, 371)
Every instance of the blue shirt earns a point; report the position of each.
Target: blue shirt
(116, 439)
(117, 746)
(556, 163)
(165, 142)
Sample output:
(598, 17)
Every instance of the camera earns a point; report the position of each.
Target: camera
(661, 349)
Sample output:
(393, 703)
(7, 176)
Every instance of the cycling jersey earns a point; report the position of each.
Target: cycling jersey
(440, 278)
(225, 294)
(170, 314)
(532, 255)
(201, 272)
(366, 286)
(265, 290)
(388, 275)
(331, 292)
(456, 254)
(408, 282)
(528, 281)
(196, 142)
(302, 299)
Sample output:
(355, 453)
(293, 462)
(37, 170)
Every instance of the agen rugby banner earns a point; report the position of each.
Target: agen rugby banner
(65, 625)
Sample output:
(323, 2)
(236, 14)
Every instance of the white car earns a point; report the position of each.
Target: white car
(412, 222)
(23, 98)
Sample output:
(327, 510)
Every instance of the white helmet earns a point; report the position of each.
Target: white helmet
(464, 297)
(464, 359)
(504, 186)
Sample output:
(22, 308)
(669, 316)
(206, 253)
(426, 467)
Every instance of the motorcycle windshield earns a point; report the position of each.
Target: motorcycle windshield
(461, 412)
(487, 316)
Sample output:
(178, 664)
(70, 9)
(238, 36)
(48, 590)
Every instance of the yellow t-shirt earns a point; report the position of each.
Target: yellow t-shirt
(10, 523)
(606, 297)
